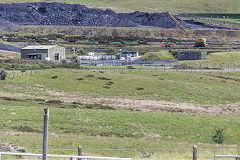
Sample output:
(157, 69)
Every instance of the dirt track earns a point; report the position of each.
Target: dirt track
(127, 104)
(147, 105)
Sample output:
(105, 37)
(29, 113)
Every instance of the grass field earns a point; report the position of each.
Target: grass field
(156, 56)
(9, 54)
(84, 112)
(167, 134)
(192, 87)
(124, 34)
(186, 6)
(97, 129)
(218, 58)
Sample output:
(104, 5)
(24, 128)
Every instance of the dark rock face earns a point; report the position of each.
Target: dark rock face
(10, 48)
(80, 15)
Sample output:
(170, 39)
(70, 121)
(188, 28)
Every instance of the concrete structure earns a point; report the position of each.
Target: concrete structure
(93, 56)
(44, 52)
(130, 55)
(110, 57)
(191, 55)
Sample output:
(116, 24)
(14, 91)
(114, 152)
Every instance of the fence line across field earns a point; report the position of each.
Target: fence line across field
(209, 19)
(135, 149)
(63, 156)
(227, 156)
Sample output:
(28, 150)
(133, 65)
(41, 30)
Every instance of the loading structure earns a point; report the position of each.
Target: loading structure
(200, 42)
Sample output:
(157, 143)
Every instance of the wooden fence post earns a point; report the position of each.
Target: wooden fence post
(194, 152)
(79, 152)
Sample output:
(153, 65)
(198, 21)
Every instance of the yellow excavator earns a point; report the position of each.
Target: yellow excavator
(200, 42)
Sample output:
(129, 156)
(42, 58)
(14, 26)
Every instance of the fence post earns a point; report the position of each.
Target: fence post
(79, 152)
(194, 152)
(45, 133)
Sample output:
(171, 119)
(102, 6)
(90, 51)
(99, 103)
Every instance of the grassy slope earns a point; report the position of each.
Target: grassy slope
(9, 54)
(172, 127)
(195, 6)
(156, 56)
(161, 132)
(167, 86)
(218, 58)
(97, 129)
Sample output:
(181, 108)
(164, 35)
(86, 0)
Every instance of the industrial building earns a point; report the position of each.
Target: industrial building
(130, 55)
(191, 55)
(44, 52)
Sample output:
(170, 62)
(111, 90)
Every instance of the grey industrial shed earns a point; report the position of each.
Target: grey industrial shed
(44, 52)
(191, 55)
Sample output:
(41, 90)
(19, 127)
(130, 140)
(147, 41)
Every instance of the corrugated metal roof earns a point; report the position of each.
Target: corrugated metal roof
(40, 47)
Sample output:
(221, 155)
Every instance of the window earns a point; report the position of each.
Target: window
(56, 57)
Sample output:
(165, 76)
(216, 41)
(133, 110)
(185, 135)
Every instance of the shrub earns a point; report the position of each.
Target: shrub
(110, 50)
(81, 51)
(218, 137)
(3, 74)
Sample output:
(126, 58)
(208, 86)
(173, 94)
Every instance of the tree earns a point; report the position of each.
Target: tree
(218, 137)
(3, 74)
(80, 51)
(110, 50)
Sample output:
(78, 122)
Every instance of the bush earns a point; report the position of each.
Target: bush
(218, 137)
(81, 51)
(110, 50)
(150, 57)
(3, 74)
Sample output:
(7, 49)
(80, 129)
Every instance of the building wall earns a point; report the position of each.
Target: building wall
(130, 54)
(57, 49)
(191, 55)
(50, 53)
(26, 52)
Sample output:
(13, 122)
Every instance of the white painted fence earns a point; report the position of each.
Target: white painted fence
(61, 156)
(226, 156)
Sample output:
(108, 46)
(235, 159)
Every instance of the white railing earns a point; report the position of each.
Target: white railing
(226, 156)
(61, 156)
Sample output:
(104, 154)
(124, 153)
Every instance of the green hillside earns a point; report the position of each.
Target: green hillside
(218, 58)
(175, 6)
(93, 109)
(141, 85)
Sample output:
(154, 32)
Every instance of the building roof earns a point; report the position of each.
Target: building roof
(40, 47)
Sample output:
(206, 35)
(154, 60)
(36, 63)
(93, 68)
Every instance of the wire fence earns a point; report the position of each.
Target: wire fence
(175, 151)
(61, 156)
(18, 74)
(137, 149)
(210, 20)
(201, 148)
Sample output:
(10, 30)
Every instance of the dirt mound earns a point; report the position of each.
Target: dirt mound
(80, 15)
(10, 48)
(9, 147)
(6, 25)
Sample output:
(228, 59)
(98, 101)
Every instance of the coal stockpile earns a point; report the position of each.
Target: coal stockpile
(9, 48)
(79, 15)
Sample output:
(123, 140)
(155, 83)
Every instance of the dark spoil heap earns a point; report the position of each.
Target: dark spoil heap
(80, 15)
